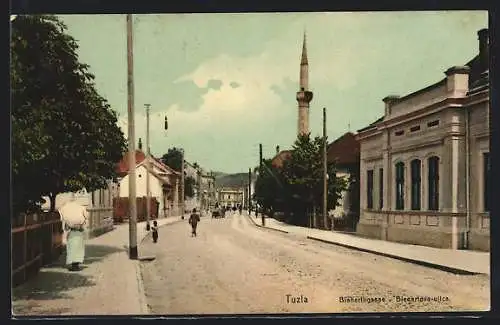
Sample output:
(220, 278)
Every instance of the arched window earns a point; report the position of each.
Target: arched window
(400, 182)
(416, 172)
(433, 182)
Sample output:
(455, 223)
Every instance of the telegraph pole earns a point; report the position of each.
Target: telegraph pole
(325, 172)
(249, 189)
(148, 167)
(260, 171)
(133, 254)
(182, 184)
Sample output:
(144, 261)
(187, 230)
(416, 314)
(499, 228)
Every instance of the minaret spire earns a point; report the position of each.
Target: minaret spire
(304, 96)
(304, 50)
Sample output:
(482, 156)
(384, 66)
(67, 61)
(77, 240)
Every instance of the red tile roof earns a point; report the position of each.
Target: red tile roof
(278, 160)
(122, 167)
(344, 150)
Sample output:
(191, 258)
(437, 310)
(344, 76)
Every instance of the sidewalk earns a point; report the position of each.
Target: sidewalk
(109, 283)
(456, 261)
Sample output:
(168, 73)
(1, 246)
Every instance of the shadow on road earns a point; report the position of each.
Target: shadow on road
(93, 253)
(50, 284)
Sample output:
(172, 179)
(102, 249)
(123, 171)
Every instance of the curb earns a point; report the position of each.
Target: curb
(265, 227)
(404, 259)
(142, 292)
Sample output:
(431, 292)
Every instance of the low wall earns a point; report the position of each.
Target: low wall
(425, 228)
(100, 221)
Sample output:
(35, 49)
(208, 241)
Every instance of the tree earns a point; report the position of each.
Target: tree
(173, 158)
(270, 188)
(64, 134)
(303, 174)
(189, 184)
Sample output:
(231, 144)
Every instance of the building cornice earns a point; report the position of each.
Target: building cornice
(416, 146)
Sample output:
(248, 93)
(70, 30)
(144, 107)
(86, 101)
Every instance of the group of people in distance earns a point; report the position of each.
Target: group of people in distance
(194, 219)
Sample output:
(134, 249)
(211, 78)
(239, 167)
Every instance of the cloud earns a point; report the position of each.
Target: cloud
(259, 85)
(214, 84)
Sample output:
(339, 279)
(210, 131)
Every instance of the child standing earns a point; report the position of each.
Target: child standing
(154, 229)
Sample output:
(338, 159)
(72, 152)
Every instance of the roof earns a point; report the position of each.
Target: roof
(344, 150)
(280, 158)
(369, 126)
(165, 166)
(123, 167)
(478, 80)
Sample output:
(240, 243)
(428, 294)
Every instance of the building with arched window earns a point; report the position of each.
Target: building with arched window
(424, 169)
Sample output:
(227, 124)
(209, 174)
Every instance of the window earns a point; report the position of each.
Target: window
(400, 182)
(415, 128)
(415, 184)
(433, 181)
(433, 123)
(398, 133)
(486, 182)
(381, 188)
(369, 189)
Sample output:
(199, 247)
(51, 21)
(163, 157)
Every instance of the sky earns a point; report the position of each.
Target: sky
(228, 82)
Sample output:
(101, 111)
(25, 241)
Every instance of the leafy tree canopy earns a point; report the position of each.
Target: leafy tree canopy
(173, 158)
(297, 187)
(64, 134)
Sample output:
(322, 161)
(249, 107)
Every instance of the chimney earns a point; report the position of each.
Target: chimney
(140, 144)
(483, 38)
(389, 102)
(277, 149)
(457, 81)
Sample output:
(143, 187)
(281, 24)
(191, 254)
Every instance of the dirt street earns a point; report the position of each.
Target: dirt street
(235, 267)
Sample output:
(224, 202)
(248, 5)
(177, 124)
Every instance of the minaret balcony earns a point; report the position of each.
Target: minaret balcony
(304, 96)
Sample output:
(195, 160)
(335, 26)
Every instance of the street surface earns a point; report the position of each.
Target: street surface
(235, 267)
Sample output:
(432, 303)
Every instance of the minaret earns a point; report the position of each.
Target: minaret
(304, 96)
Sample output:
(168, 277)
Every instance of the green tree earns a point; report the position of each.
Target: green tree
(270, 188)
(303, 174)
(189, 184)
(64, 134)
(173, 158)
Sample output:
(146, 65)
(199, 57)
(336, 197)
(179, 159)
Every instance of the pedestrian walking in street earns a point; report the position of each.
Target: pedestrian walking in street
(74, 217)
(154, 229)
(193, 221)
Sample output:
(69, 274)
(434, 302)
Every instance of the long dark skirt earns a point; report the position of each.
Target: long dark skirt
(155, 236)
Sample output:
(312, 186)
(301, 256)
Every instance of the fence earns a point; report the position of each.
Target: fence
(36, 241)
(121, 208)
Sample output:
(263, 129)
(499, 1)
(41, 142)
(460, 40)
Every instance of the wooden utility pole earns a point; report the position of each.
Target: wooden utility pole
(148, 167)
(133, 254)
(325, 173)
(260, 171)
(249, 189)
(182, 184)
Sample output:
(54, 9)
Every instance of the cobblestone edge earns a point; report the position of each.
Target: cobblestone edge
(265, 227)
(397, 257)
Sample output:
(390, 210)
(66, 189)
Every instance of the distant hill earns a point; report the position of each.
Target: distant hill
(231, 180)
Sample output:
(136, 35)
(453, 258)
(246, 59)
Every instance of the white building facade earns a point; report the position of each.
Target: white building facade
(424, 166)
(163, 186)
